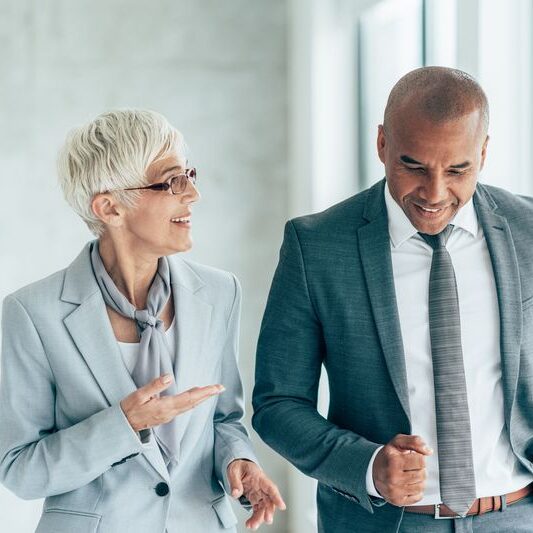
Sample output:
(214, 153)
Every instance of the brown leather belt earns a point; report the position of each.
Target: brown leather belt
(480, 506)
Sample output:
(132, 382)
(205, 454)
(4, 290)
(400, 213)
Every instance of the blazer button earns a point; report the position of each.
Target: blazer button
(161, 489)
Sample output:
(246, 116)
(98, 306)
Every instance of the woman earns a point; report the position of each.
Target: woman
(120, 397)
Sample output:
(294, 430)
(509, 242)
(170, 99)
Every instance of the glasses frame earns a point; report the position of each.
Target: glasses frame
(189, 174)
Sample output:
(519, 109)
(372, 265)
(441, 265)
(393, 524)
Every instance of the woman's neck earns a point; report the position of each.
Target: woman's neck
(132, 272)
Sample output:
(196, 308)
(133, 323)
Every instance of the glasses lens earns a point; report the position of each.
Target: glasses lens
(179, 183)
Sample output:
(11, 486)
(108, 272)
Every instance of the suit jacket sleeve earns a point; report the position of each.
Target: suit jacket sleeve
(231, 438)
(36, 459)
(290, 353)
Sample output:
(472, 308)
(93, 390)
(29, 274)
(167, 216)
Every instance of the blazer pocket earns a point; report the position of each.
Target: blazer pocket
(222, 508)
(65, 521)
(528, 302)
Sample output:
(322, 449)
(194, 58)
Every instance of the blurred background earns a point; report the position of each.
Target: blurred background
(279, 101)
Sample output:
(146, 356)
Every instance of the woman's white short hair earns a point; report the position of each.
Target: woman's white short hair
(113, 152)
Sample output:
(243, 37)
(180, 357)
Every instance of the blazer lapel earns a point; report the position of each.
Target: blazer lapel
(193, 318)
(505, 266)
(374, 250)
(91, 330)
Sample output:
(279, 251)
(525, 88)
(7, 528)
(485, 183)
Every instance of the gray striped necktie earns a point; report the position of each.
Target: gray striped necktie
(456, 466)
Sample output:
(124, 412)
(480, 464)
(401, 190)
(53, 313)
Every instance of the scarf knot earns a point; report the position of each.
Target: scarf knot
(145, 319)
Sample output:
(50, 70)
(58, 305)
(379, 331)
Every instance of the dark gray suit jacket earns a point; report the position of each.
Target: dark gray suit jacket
(333, 303)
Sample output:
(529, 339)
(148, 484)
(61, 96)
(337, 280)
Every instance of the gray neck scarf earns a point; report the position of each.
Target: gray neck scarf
(154, 358)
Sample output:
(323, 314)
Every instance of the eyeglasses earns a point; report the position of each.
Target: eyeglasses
(174, 185)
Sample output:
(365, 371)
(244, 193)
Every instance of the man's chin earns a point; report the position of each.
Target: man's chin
(430, 223)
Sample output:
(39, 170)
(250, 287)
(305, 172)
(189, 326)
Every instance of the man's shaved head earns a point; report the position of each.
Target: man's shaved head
(439, 94)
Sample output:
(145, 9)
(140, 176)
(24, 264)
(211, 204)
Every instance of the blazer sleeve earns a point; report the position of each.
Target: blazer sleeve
(231, 438)
(290, 353)
(36, 459)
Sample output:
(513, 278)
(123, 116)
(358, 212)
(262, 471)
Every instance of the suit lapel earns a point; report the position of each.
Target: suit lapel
(91, 331)
(193, 318)
(374, 250)
(505, 267)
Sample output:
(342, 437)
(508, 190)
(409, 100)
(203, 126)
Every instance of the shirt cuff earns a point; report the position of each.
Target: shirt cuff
(370, 488)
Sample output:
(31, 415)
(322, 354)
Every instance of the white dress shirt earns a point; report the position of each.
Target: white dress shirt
(497, 470)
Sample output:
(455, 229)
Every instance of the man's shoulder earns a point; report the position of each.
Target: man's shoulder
(343, 217)
(507, 203)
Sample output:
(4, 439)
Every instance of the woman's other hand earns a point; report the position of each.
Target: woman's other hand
(144, 408)
(248, 479)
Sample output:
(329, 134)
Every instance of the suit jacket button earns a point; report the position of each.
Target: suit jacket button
(161, 489)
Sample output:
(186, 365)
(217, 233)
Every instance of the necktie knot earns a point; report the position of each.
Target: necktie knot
(440, 239)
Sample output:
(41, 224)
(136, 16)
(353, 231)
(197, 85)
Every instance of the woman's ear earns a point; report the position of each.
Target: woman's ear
(106, 208)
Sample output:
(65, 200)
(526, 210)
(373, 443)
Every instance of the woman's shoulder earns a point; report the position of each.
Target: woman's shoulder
(49, 291)
(42, 292)
(206, 272)
(221, 284)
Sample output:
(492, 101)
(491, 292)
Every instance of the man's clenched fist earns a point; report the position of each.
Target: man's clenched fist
(399, 470)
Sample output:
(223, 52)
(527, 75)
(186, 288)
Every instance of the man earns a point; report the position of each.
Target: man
(417, 297)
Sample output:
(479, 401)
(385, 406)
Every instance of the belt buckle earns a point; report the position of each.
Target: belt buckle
(437, 515)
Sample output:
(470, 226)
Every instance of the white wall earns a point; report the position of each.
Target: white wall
(495, 44)
(216, 69)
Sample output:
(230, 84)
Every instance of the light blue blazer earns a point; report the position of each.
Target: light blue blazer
(63, 435)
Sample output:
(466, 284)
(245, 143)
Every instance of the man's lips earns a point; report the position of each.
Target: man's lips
(428, 213)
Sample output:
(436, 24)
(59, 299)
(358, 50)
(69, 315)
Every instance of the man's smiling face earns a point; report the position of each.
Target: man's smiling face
(432, 168)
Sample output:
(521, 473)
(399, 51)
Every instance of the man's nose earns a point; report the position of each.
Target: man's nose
(435, 190)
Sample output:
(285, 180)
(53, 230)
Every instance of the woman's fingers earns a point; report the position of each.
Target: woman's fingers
(257, 518)
(191, 398)
(270, 509)
(157, 385)
(234, 478)
(143, 413)
(271, 490)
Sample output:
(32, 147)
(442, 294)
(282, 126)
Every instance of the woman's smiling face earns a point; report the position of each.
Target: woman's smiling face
(161, 222)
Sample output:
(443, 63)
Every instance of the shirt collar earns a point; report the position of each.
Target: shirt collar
(401, 229)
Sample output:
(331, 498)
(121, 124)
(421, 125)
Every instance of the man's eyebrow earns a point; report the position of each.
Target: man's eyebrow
(410, 160)
(461, 165)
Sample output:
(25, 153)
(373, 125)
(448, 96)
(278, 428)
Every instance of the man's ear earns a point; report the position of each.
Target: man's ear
(106, 208)
(484, 152)
(381, 143)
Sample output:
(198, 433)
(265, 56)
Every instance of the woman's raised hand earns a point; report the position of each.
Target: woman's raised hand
(144, 408)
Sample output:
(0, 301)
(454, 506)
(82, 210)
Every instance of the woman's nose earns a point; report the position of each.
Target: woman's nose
(191, 193)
